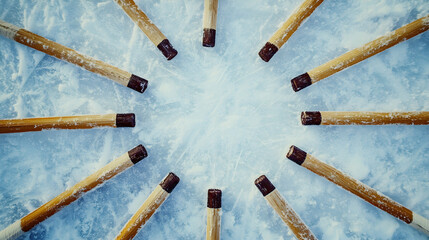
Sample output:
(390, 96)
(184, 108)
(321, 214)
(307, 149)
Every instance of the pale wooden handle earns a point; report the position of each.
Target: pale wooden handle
(142, 21)
(375, 118)
(146, 25)
(364, 118)
(356, 55)
(420, 223)
(359, 189)
(288, 215)
(8, 30)
(50, 208)
(67, 54)
(155, 199)
(12, 232)
(210, 14)
(66, 122)
(370, 49)
(288, 28)
(293, 22)
(213, 223)
(214, 206)
(209, 23)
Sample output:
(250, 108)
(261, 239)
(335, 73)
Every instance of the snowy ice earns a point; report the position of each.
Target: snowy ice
(217, 117)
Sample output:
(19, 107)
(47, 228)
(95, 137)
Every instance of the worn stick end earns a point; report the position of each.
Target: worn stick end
(125, 120)
(167, 49)
(311, 118)
(301, 82)
(209, 37)
(264, 185)
(170, 182)
(214, 198)
(268, 51)
(138, 153)
(296, 154)
(137, 83)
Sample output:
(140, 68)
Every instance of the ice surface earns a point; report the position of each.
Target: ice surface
(218, 118)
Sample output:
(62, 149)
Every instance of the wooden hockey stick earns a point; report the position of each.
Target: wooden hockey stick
(67, 122)
(152, 203)
(357, 188)
(48, 209)
(356, 55)
(281, 36)
(214, 208)
(286, 213)
(146, 25)
(69, 55)
(209, 22)
(364, 118)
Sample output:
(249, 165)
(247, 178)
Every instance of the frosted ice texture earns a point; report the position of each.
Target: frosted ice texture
(218, 118)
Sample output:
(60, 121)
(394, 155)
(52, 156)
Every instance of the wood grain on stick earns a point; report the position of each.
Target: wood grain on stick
(282, 208)
(148, 27)
(210, 14)
(142, 21)
(214, 209)
(356, 55)
(213, 223)
(152, 203)
(67, 122)
(56, 204)
(281, 36)
(209, 22)
(357, 188)
(365, 118)
(67, 54)
(155, 199)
